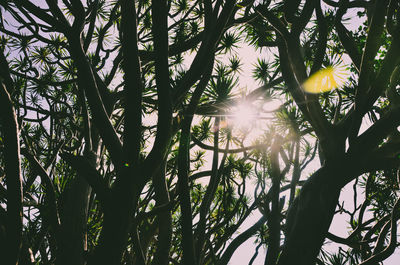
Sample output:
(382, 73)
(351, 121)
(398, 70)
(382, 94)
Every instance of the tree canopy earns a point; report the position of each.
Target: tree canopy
(126, 136)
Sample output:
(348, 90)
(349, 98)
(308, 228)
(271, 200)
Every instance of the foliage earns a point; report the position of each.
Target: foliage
(118, 144)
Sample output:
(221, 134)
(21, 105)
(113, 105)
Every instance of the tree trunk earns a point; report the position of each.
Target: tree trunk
(118, 220)
(12, 171)
(310, 216)
(74, 224)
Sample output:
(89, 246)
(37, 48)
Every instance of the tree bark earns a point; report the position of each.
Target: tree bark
(164, 219)
(74, 224)
(12, 170)
(274, 238)
(117, 225)
(310, 216)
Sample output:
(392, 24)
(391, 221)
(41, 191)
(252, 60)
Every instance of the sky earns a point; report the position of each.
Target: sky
(339, 224)
(245, 252)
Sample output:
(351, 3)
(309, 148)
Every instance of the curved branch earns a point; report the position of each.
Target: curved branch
(87, 81)
(347, 41)
(384, 254)
(239, 240)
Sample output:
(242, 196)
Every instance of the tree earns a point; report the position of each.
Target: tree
(101, 100)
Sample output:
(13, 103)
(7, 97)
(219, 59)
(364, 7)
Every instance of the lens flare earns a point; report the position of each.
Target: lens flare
(325, 80)
(243, 116)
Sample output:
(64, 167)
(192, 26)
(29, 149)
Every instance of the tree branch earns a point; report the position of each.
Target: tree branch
(239, 240)
(91, 175)
(133, 84)
(12, 167)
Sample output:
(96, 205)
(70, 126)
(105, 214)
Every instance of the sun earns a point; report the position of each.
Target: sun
(243, 116)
